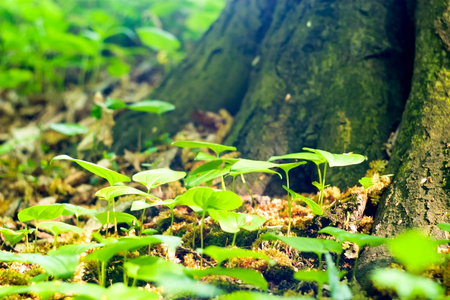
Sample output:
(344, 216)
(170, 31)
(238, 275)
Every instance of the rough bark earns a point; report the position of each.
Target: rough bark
(333, 75)
(419, 196)
(215, 75)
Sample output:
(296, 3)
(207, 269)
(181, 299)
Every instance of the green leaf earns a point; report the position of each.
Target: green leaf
(117, 67)
(70, 129)
(217, 148)
(246, 275)
(58, 227)
(247, 295)
(40, 212)
(12, 78)
(338, 289)
(141, 204)
(70, 209)
(444, 226)
(359, 239)
(233, 222)
(120, 217)
(415, 250)
(11, 236)
(320, 277)
(169, 275)
(152, 106)
(245, 166)
(317, 159)
(287, 167)
(206, 198)
(111, 192)
(121, 291)
(205, 173)
(158, 39)
(305, 244)
(222, 254)
(338, 160)
(205, 156)
(131, 243)
(47, 289)
(157, 177)
(407, 286)
(315, 208)
(366, 182)
(115, 104)
(111, 176)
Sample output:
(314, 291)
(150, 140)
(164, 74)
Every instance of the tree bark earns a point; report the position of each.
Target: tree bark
(419, 195)
(214, 76)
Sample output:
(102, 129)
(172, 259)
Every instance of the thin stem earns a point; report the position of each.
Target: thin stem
(321, 185)
(193, 237)
(289, 204)
(171, 223)
(142, 221)
(320, 261)
(248, 190)
(116, 232)
(107, 219)
(223, 183)
(55, 241)
(201, 239)
(134, 282)
(234, 180)
(78, 221)
(234, 240)
(26, 238)
(323, 182)
(103, 274)
(338, 259)
(35, 237)
(354, 267)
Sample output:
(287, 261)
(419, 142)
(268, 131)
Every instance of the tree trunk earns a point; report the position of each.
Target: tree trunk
(419, 195)
(326, 74)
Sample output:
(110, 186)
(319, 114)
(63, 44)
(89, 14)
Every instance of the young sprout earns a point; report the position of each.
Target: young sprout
(56, 228)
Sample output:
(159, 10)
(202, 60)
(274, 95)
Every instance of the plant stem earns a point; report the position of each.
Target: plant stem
(103, 275)
(142, 222)
(223, 183)
(171, 223)
(35, 237)
(201, 238)
(323, 183)
(234, 240)
(115, 218)
(54, 242)
(26, 238)
(134, 282)
(320, 184)
(354, 267)
(78, 221)
(248, 190)
(193, 237)
(107, 219)
(289, 204)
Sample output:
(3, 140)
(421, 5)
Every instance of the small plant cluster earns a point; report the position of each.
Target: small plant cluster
(140, 263)
(57, 37)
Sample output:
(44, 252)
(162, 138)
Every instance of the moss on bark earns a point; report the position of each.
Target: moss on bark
(420, 192)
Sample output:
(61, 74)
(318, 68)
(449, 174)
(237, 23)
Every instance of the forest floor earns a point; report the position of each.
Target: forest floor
(27, 179)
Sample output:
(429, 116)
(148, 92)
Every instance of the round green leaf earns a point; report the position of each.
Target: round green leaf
(111, 192)
(157, 177)
(152, 106)
(217, 148)
(58, 227)
(70, 129)
(158, 39)
(40, 212)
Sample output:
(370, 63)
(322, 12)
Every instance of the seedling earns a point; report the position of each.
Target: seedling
(286, 168)
(70, 209)
(233, 222)
(126, 244)
(320, 157)
(207, 172)
(407, 286)
(245, 166)
(366, 182)
(170, 203)
(421, 250)
(39, 213)
(170, 276)
(111, 176)
(203, 199)
(216, 148)
(315, 208)
(11, 236)
(359, 239)
(223, 254)
(56, 228)
(111, 192)
(154, 178)
(338, 289)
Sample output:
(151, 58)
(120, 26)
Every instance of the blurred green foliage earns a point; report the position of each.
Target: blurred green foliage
(43, 43)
